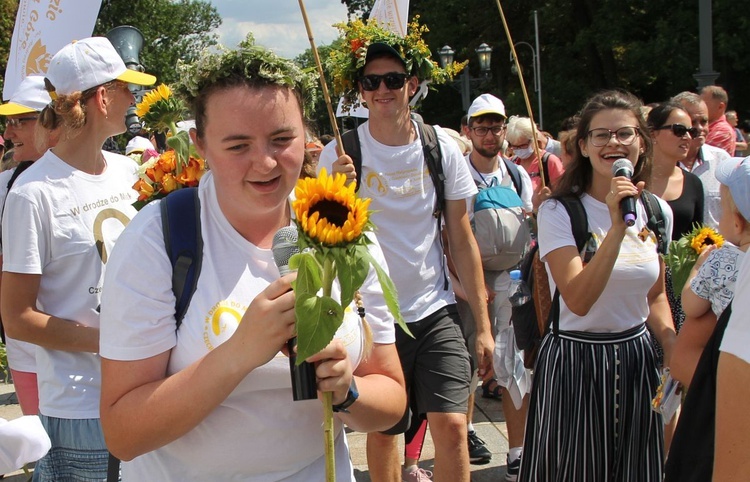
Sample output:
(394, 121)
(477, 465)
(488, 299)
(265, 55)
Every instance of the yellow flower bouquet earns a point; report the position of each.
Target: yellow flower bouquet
(332, 222)
(179, 166)
(683, 253)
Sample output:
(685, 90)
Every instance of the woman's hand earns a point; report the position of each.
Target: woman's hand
(268, 322)
(620, 188)
(334, 371)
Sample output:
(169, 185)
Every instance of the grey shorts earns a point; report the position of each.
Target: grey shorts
(436, 366)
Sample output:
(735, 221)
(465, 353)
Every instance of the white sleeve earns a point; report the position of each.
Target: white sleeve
(527, 190)
(138, 304)
(25, 246)
(737, 335)
(458, 181)
(327, 157)
(554, 228)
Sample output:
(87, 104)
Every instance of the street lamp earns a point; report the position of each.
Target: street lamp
(484, 52)
(537, 75)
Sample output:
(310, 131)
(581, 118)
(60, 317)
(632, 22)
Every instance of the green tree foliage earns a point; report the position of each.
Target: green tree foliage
(358, 8)
(173, 30)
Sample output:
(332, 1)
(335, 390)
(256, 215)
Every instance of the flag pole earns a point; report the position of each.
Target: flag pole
(535, 140)
(323, 85)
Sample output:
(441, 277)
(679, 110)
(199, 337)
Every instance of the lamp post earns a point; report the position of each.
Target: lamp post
(537, 75)
(484, 52)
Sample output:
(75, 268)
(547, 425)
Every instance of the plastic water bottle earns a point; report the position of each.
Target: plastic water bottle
(518, 292)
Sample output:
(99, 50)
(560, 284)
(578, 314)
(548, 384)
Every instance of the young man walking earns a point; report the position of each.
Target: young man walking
(395, 175)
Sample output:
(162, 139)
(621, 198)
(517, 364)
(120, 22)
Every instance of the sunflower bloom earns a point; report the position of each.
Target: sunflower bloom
(706, 237)
(162, 92)
(328, 211)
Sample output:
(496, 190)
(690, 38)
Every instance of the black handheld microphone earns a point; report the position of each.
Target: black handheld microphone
(304, 386)
(623, 167)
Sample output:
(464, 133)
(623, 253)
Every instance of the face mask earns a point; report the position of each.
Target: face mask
(524, 153)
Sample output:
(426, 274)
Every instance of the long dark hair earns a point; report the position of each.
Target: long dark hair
(658, 116)
(579, 174)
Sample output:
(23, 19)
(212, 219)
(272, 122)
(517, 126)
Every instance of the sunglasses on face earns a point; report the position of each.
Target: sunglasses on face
(625, 135)
(680, 130)
(18, 121)
(393, 81)
(482, 131)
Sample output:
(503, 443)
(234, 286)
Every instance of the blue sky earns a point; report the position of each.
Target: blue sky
(277, 24)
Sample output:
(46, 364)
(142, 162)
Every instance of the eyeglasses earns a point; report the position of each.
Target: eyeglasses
(520, 146)
(17, 122)
(482, 131)
(680, 130)
(625, 135)
(393, 81)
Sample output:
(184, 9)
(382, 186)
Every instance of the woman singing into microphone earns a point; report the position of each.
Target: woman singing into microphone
(590, 416)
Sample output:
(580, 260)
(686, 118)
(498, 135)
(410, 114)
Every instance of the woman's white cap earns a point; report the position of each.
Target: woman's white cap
(138, 144)
(30, 96)
(87, 63)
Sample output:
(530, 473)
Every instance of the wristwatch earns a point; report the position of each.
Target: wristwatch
(351, 396)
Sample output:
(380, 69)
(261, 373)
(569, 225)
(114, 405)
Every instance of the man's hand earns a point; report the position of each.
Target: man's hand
(485, 345)
(344, 165)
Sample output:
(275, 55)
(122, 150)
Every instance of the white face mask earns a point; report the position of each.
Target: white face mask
(524, 153)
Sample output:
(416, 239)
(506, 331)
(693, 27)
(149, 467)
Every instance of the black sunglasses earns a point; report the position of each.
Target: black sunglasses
(680, 130)
(393, 81)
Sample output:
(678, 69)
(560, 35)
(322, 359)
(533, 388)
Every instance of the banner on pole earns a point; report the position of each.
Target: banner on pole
(392, 15)
(42, 28)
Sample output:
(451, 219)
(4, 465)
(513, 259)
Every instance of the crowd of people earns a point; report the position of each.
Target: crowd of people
(98, 350)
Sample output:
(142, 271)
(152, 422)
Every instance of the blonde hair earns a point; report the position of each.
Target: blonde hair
(69, 111)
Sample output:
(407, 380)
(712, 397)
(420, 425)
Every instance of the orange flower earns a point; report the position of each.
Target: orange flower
(144, 189)
(169, 182)
(357, 44)
(192, 173)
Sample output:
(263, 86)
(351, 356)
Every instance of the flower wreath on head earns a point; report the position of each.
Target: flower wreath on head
(349, 52)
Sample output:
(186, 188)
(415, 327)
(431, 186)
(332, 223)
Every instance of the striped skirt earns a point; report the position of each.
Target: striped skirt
(590, 417)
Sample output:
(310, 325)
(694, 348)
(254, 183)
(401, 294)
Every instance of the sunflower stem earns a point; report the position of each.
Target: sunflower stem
(329, 273)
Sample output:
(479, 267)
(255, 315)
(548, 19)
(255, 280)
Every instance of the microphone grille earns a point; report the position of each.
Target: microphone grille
(621, 164)
(284, 246)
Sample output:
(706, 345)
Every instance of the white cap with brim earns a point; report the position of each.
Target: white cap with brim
(30, 96)
(87, 63)
(734, 173)
(137, 144)
(486, 104)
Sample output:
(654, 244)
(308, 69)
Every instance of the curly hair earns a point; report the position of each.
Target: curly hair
(579, 174)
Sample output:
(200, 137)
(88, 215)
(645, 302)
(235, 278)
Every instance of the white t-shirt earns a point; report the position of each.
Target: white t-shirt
(258, 433)
(62, 223)
(21, 355)
(403, 200)
(501, 178)
(623, 304)
(717, 277)
(737, 335)
(705, 169)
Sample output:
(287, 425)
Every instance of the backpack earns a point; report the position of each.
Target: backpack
(534, 319)
(181, 223)
(499, 223)
(433, 158)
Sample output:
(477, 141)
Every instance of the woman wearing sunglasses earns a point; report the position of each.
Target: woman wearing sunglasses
(672, 133)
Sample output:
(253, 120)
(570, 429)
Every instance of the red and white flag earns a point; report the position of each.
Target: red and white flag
(42, 28)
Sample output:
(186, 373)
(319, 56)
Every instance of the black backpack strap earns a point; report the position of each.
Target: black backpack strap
(655, 220)
(352, 147)
(181, 223)
(515, 174)
(434, 159)
(579, 224)
(545, 167)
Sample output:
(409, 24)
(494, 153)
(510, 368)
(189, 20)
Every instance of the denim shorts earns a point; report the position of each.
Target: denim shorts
(78, 451)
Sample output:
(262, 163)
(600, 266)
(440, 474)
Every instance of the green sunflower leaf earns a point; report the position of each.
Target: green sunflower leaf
(318, 318)
(352, 266)
(389, 293)
(308, 273)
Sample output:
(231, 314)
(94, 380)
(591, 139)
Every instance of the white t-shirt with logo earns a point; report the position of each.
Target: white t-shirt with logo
(403, 200)
(21, 354)
(62, 223)
(624, 302)
(258, 433)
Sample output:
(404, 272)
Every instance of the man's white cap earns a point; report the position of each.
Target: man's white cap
(30, 96)
(486, 104)
(137, 144)
(87, 63)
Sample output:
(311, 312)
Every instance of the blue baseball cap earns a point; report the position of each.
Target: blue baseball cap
(734, 173)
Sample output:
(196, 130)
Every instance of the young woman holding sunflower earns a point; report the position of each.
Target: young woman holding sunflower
(212, 400)
(590, 414)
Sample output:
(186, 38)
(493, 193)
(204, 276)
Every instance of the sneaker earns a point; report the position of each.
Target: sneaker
(416, 474)
(478, 453)
(511, 472)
